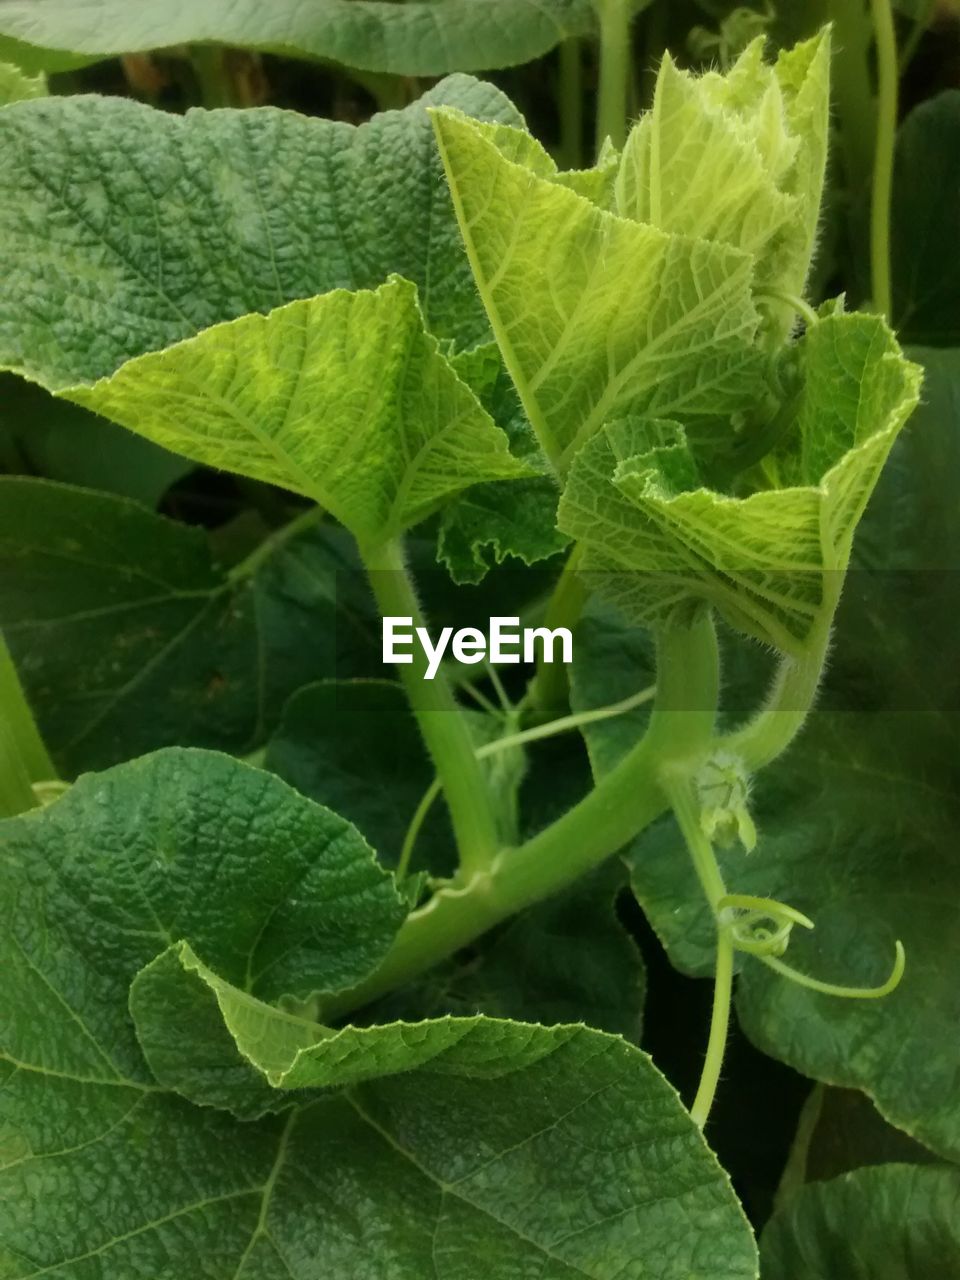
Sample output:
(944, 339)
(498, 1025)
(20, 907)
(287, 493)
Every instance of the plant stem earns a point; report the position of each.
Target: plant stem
(719, 1028)
(213, 76)
(624, 801)
(249, 565)
(23, 755)
(852, 92)
(564, 725)
(614, 19)
(887, 76)
(442, 724)
(789, 703)
(570, 103)
(551, 681)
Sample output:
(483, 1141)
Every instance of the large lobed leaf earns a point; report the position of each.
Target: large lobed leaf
(654, 536)
(895, 1222)
(410, 38)
(448, 1148)
(128, 636)
(550, 266)
(124, 230)
(343, 398)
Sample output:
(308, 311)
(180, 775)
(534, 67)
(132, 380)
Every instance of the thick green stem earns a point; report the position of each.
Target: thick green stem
(213, 75)
(623, 802)
(887, 77)
(563, 610)
(442, 723)
(23, 756)
(614, 16)
(852, 92)
(570, 103)
(791, 699)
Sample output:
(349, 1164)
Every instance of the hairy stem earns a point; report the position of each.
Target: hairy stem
(622, 804)
(23, 756)
(442, 724)
(550, 687)
(719, 1029)
(614, 18)
(887, 77)
(570, 103)
(790, 701)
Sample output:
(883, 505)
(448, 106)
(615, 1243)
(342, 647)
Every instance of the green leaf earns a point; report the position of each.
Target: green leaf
(355, 746)
(495, 523)
(128, 637)
(15, 86)
(737, 158)
(411, 38)
(767, 561)
(562, 1149)
(47, 437)
(198, 219)
(550, 267)
(924, 213)
(343, 398)
(895, 1222)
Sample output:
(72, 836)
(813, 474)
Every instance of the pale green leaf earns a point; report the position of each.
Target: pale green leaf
(128, 637)
(410, 38)
(654, 538)
(124, 230)
(894, 1222)
(737, 158)
(344, 398)
(15, 85)
(550, 267)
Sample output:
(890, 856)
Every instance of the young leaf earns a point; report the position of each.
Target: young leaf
(128, 637)
(343, 398)
(767, 561)
(205, 217)
(897, 1221)
(415, 38)
(550, 267)
(492, 524)
(737, 158)
(15, 86)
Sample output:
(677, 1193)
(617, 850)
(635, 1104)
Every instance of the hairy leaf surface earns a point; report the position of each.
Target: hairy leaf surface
(737, 158)
(768, 561)
(343, 398)
(124, 229)
(550, 267)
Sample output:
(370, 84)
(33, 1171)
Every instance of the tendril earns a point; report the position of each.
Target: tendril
(835, 989)
(747, 920)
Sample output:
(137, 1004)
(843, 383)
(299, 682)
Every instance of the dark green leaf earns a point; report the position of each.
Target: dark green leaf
(894, 1222)
(199, 219)
(355, 746)
(128, 637)
(925, 216)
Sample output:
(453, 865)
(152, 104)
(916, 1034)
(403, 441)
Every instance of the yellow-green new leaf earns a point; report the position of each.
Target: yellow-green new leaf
(16, 85)
(738, 159)
(595, 315)
(343, 398)
(771, 561)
